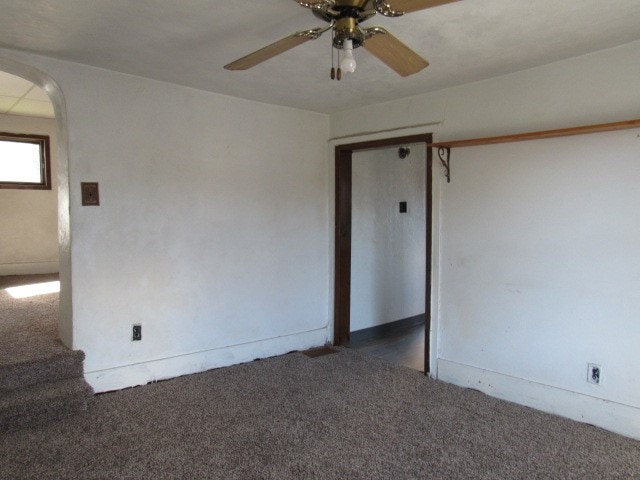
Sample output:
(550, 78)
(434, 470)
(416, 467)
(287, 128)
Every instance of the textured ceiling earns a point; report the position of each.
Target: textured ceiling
(189, 42)
(21, 97)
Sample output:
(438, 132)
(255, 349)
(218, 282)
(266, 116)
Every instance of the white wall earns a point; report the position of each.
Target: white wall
(387, 247)
(534, 267)
(539, 267)
(212, 228)
(596, 88)
(29, 226)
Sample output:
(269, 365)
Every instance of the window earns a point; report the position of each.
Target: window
(25, 161)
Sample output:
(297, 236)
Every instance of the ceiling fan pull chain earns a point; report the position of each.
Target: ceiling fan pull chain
(333, 69)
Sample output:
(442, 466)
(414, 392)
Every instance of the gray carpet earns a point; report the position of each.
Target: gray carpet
(338, 416)
(28, 326)
(40, 379)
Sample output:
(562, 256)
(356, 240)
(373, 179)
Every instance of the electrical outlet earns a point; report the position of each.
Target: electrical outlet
(136, 333)
(594, 374)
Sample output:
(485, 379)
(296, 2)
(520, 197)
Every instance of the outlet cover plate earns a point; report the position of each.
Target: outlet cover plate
(136, 333)
(594, 374)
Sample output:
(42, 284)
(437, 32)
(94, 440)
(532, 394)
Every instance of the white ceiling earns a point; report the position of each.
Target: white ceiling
(188, 42)
(21, 97)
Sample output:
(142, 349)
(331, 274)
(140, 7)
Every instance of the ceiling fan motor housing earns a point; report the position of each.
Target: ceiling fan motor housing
(346, 14)
(347, 29)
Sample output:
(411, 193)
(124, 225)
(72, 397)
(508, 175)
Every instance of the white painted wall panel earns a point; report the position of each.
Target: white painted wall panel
(212, 227)
(540, 262)
(212, 223)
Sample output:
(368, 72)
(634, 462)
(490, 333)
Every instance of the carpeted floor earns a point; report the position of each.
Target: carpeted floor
(338, 416)
(40, 379)
(28, 326)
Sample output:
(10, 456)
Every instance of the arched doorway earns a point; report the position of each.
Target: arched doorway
(44, 82)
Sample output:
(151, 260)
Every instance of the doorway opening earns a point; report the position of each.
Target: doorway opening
(35, 303)
(344, 230)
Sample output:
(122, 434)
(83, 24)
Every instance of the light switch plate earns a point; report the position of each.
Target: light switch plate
(90, 194)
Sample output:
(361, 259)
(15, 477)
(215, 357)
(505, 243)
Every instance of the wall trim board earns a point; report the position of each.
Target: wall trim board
(165, 368)
(386, 328)
(405, 128)
(613, 416)
(29, 268)
(542, 134)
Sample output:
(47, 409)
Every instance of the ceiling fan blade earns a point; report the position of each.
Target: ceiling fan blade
(272, 50)
(393, 52)
(310, 3)
(408, 6)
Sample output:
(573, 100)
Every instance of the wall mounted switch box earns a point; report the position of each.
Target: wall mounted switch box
(90, 194)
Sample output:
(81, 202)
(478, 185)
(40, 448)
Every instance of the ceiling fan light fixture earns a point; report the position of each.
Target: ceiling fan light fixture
(347, 28)
(344, 18)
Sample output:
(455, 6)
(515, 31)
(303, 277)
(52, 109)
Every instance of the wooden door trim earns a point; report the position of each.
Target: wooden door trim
(342, 285)
(343, 205)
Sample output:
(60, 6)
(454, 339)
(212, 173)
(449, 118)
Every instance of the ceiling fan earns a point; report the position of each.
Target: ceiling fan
(344, 18)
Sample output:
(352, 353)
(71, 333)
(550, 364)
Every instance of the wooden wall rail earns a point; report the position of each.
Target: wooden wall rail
(520, 137)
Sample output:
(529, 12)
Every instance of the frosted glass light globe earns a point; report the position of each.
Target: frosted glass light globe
(348, 63)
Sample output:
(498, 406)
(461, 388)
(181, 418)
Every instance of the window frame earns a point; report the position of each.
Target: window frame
(45, 161)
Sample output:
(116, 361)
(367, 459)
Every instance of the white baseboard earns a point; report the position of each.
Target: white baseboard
(33, 268)
(142, 373)
(616, 417)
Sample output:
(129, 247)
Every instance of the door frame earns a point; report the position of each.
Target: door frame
(343, 206)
